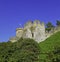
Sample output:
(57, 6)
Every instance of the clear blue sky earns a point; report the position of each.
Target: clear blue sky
(15, 12)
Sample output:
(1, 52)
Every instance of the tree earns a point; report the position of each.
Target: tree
(58, 23)
(49, 26)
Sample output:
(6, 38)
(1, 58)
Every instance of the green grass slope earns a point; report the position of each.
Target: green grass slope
(49, 45)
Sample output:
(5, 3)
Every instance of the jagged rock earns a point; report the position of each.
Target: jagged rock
(34, 30)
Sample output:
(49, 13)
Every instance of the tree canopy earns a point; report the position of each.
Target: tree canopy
(24, 50)
(49, 26)
(58, 23)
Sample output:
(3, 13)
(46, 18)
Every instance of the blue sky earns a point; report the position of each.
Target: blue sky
(16, 12)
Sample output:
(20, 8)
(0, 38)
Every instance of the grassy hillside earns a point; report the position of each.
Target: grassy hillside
(49, 45)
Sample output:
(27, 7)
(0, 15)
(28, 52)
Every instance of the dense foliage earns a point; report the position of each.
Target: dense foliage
(25, 50)
(49, 26)
(58, 23)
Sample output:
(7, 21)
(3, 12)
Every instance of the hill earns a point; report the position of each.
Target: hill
(50, 45)
(28, 50)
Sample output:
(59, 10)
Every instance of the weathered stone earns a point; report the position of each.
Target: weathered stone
(34, 30)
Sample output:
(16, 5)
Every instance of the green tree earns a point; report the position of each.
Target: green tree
(49, 26)
(58, 23)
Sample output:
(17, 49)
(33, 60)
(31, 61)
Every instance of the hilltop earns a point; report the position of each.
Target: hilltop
(33, 43)
(36, 30)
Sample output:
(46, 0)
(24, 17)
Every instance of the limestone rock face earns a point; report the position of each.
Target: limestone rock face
(39, 33)
(13, 39)
(34, 30)
(28, 24)
(27, 34)
(19, 32)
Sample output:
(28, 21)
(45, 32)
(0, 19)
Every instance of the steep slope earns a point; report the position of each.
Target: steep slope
(50, 43)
